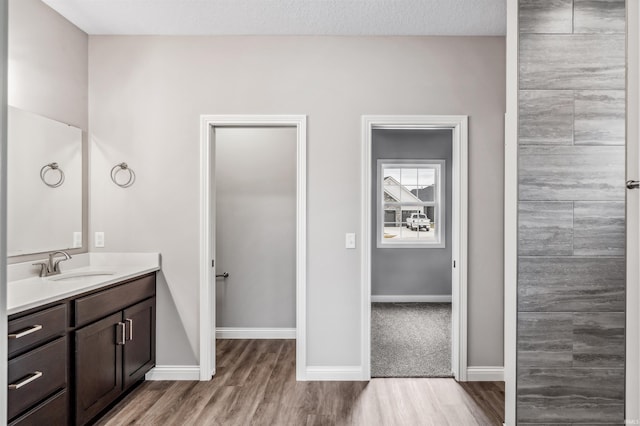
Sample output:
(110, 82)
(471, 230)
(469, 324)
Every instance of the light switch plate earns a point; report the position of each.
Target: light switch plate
(77, 239)
(99, 239)
(350, 240)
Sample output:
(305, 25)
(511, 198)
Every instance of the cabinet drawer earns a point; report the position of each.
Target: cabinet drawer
(33, 329)
(36, 375)
(99, 305)
(52, 412)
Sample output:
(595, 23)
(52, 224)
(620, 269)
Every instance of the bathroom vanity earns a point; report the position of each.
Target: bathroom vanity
(80, 340)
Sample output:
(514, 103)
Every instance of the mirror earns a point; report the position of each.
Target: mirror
(44, 179)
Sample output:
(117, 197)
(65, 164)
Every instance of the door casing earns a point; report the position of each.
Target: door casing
(511, 214)
(459, 126)
(632, 332)
(207, 230)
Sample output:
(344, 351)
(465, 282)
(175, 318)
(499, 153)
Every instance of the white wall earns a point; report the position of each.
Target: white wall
(255, 184)
(145, 98)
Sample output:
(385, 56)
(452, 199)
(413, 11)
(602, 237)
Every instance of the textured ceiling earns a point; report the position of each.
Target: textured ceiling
(286, 17)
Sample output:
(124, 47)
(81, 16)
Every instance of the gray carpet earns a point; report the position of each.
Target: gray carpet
(411, 340)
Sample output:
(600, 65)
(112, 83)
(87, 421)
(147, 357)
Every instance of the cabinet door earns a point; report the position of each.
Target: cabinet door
(98, 373)
(140, 347)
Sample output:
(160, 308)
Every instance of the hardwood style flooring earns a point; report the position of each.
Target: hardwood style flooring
(255, 385)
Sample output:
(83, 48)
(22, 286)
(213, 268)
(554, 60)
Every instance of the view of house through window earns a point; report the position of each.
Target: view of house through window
(410, 203)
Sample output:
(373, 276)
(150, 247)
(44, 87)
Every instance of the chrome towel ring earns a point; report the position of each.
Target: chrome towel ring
(46, 169)
(119, 168)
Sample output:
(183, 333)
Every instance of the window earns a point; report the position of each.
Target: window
(410, 203)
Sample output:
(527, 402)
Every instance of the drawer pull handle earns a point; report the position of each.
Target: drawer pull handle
(122, 337)
(130, 322)
(35, 376)
(26, 332)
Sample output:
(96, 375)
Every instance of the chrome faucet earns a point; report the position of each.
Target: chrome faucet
(52, 267)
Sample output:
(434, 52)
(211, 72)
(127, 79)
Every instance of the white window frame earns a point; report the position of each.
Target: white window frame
(439, 204)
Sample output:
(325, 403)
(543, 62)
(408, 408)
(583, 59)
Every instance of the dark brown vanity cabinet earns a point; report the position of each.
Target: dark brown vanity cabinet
(139, 351)
(38, 367)
(98, 360)
(84, 354)
(111, 355)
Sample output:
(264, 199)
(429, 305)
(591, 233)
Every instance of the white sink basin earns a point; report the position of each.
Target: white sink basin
(80, 276)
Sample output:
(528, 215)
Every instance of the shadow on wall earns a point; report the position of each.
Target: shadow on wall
(172, 345)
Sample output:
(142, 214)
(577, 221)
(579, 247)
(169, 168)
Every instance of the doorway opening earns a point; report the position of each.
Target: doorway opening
(234, 149)
(414, 246)
(411, 255)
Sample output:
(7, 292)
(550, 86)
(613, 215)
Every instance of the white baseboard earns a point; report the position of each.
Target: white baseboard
(316, 373)
(434, 298)
(338, 373)
(255, 333)
(174, 372)
(485, 374)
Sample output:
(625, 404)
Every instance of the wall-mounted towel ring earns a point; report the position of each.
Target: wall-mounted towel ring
(117, 169)
(48, 168)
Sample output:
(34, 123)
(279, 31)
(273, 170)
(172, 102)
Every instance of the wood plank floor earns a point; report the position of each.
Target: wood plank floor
(255, 385)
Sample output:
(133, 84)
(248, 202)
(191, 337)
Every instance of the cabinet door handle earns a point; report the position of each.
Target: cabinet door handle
(34, 376)
(26, 332)
(130, 322)
(121, 339)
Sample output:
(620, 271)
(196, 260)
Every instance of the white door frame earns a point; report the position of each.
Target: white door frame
(459, 125)
(207, 227)
(511, 215)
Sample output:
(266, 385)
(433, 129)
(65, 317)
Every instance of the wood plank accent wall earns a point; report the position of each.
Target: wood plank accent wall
(571, 231)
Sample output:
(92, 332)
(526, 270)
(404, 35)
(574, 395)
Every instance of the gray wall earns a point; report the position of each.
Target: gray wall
(3, 200)
(255, 180)
(571, 247)
(146, 95)
(411, 271)
(48, 75)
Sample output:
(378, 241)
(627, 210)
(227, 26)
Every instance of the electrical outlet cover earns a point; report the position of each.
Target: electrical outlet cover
(77, 239)
(350, 241)
(99, 239)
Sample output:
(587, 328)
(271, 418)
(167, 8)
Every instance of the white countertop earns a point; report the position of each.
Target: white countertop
(27, 290)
